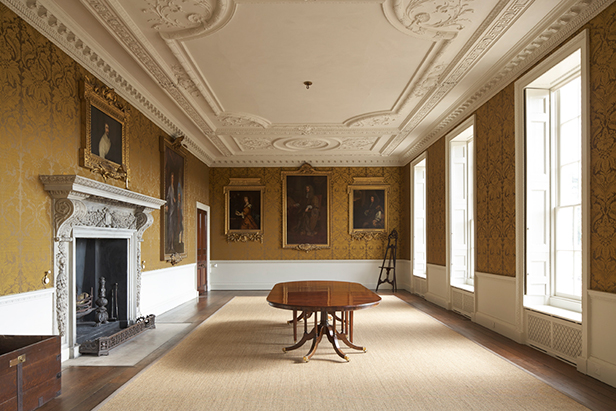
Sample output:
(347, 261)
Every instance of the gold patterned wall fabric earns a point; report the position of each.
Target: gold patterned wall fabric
(342, 247)
(436, 229)
(495, 238)
(40, 134)
(603, 150)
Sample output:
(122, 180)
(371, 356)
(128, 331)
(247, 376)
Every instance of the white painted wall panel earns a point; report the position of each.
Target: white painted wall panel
(602, 338)
(28, 313)
(262, 275)
(162, 290)
(438, 285)
(496, 304)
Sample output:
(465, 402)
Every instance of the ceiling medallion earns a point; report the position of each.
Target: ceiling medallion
(306, 144)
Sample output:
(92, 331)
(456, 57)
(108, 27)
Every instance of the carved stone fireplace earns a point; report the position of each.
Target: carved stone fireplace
(87, 210)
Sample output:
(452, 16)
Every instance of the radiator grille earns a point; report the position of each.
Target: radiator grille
(567, 340)
(557, 337)
(463, 302)
(539, 330)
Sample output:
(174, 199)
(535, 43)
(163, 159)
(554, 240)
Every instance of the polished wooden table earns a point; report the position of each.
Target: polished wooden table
(326, 298)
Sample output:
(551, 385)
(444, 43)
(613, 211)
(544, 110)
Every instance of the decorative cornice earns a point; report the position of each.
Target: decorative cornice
(342, 160)
(428, 19)
(244, 237)
(175, 258)
(372, 120)
(309, 247)
(170, 15)
(562, 27)
(368, 236)
(242, 120)
(53, 26)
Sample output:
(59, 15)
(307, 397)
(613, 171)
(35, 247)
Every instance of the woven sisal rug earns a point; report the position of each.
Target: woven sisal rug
(234, 361)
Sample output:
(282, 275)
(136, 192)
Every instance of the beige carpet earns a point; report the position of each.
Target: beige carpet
(234, 361)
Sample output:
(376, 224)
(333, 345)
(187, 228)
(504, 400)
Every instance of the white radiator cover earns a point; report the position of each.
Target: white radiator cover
(557, 337)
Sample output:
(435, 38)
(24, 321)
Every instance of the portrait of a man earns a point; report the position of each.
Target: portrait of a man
(244, 210)
(368, 209)
(307, 211)
(106, 136)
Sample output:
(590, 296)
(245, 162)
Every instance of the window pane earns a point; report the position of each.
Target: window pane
(564, 229)
(570, 141)
(570, 101)
(577, 228)
(569, 187)
(564, 272)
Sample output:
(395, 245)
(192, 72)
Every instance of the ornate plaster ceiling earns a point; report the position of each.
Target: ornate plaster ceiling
(388, 76)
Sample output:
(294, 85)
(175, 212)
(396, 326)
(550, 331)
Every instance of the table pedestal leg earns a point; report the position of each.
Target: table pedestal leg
(323, 327)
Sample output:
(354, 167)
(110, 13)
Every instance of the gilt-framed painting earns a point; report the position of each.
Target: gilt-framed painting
(244, 209)
(104, 132)
(173, 191)
(368, 211)
(306, 197)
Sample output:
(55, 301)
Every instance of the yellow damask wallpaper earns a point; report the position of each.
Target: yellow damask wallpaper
(40, 134)
(603, 150)
(495, 171)
(342, 247)
(495, 185)
(436, 233)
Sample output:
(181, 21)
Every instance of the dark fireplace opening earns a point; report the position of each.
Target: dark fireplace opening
(101, 262)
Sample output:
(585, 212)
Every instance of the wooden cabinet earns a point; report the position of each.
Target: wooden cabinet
(30, 372)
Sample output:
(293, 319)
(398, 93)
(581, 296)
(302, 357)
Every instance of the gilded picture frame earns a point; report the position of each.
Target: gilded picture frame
(368, 208)
(306, 208)
(173, 186)
(244, 209)
(104, 132)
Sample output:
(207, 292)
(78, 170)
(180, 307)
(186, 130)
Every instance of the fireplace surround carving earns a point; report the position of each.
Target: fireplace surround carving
(89, 208)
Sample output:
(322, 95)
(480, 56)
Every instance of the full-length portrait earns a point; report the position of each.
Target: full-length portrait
(306, 208)
(173, 210)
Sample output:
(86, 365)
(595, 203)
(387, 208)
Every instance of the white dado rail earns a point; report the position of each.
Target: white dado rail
(90, 209)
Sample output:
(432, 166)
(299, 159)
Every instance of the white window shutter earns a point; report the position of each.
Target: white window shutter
(538, 199)
(459, 210)
(419, 223)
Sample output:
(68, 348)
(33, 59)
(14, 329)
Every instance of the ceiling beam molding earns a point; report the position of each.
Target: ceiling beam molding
(552, 34)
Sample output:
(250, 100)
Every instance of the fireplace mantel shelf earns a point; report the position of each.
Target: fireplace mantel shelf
(61, 186)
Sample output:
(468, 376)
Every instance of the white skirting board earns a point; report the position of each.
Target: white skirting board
(403, 275)
(263, 275)
(162, 290)
(29, 313)
(601, 362)
(496, 305)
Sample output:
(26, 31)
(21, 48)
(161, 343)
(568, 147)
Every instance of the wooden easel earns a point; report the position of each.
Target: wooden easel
(389, 262)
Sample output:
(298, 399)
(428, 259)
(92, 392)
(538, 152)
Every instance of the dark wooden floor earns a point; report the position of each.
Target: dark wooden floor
(83, 388)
